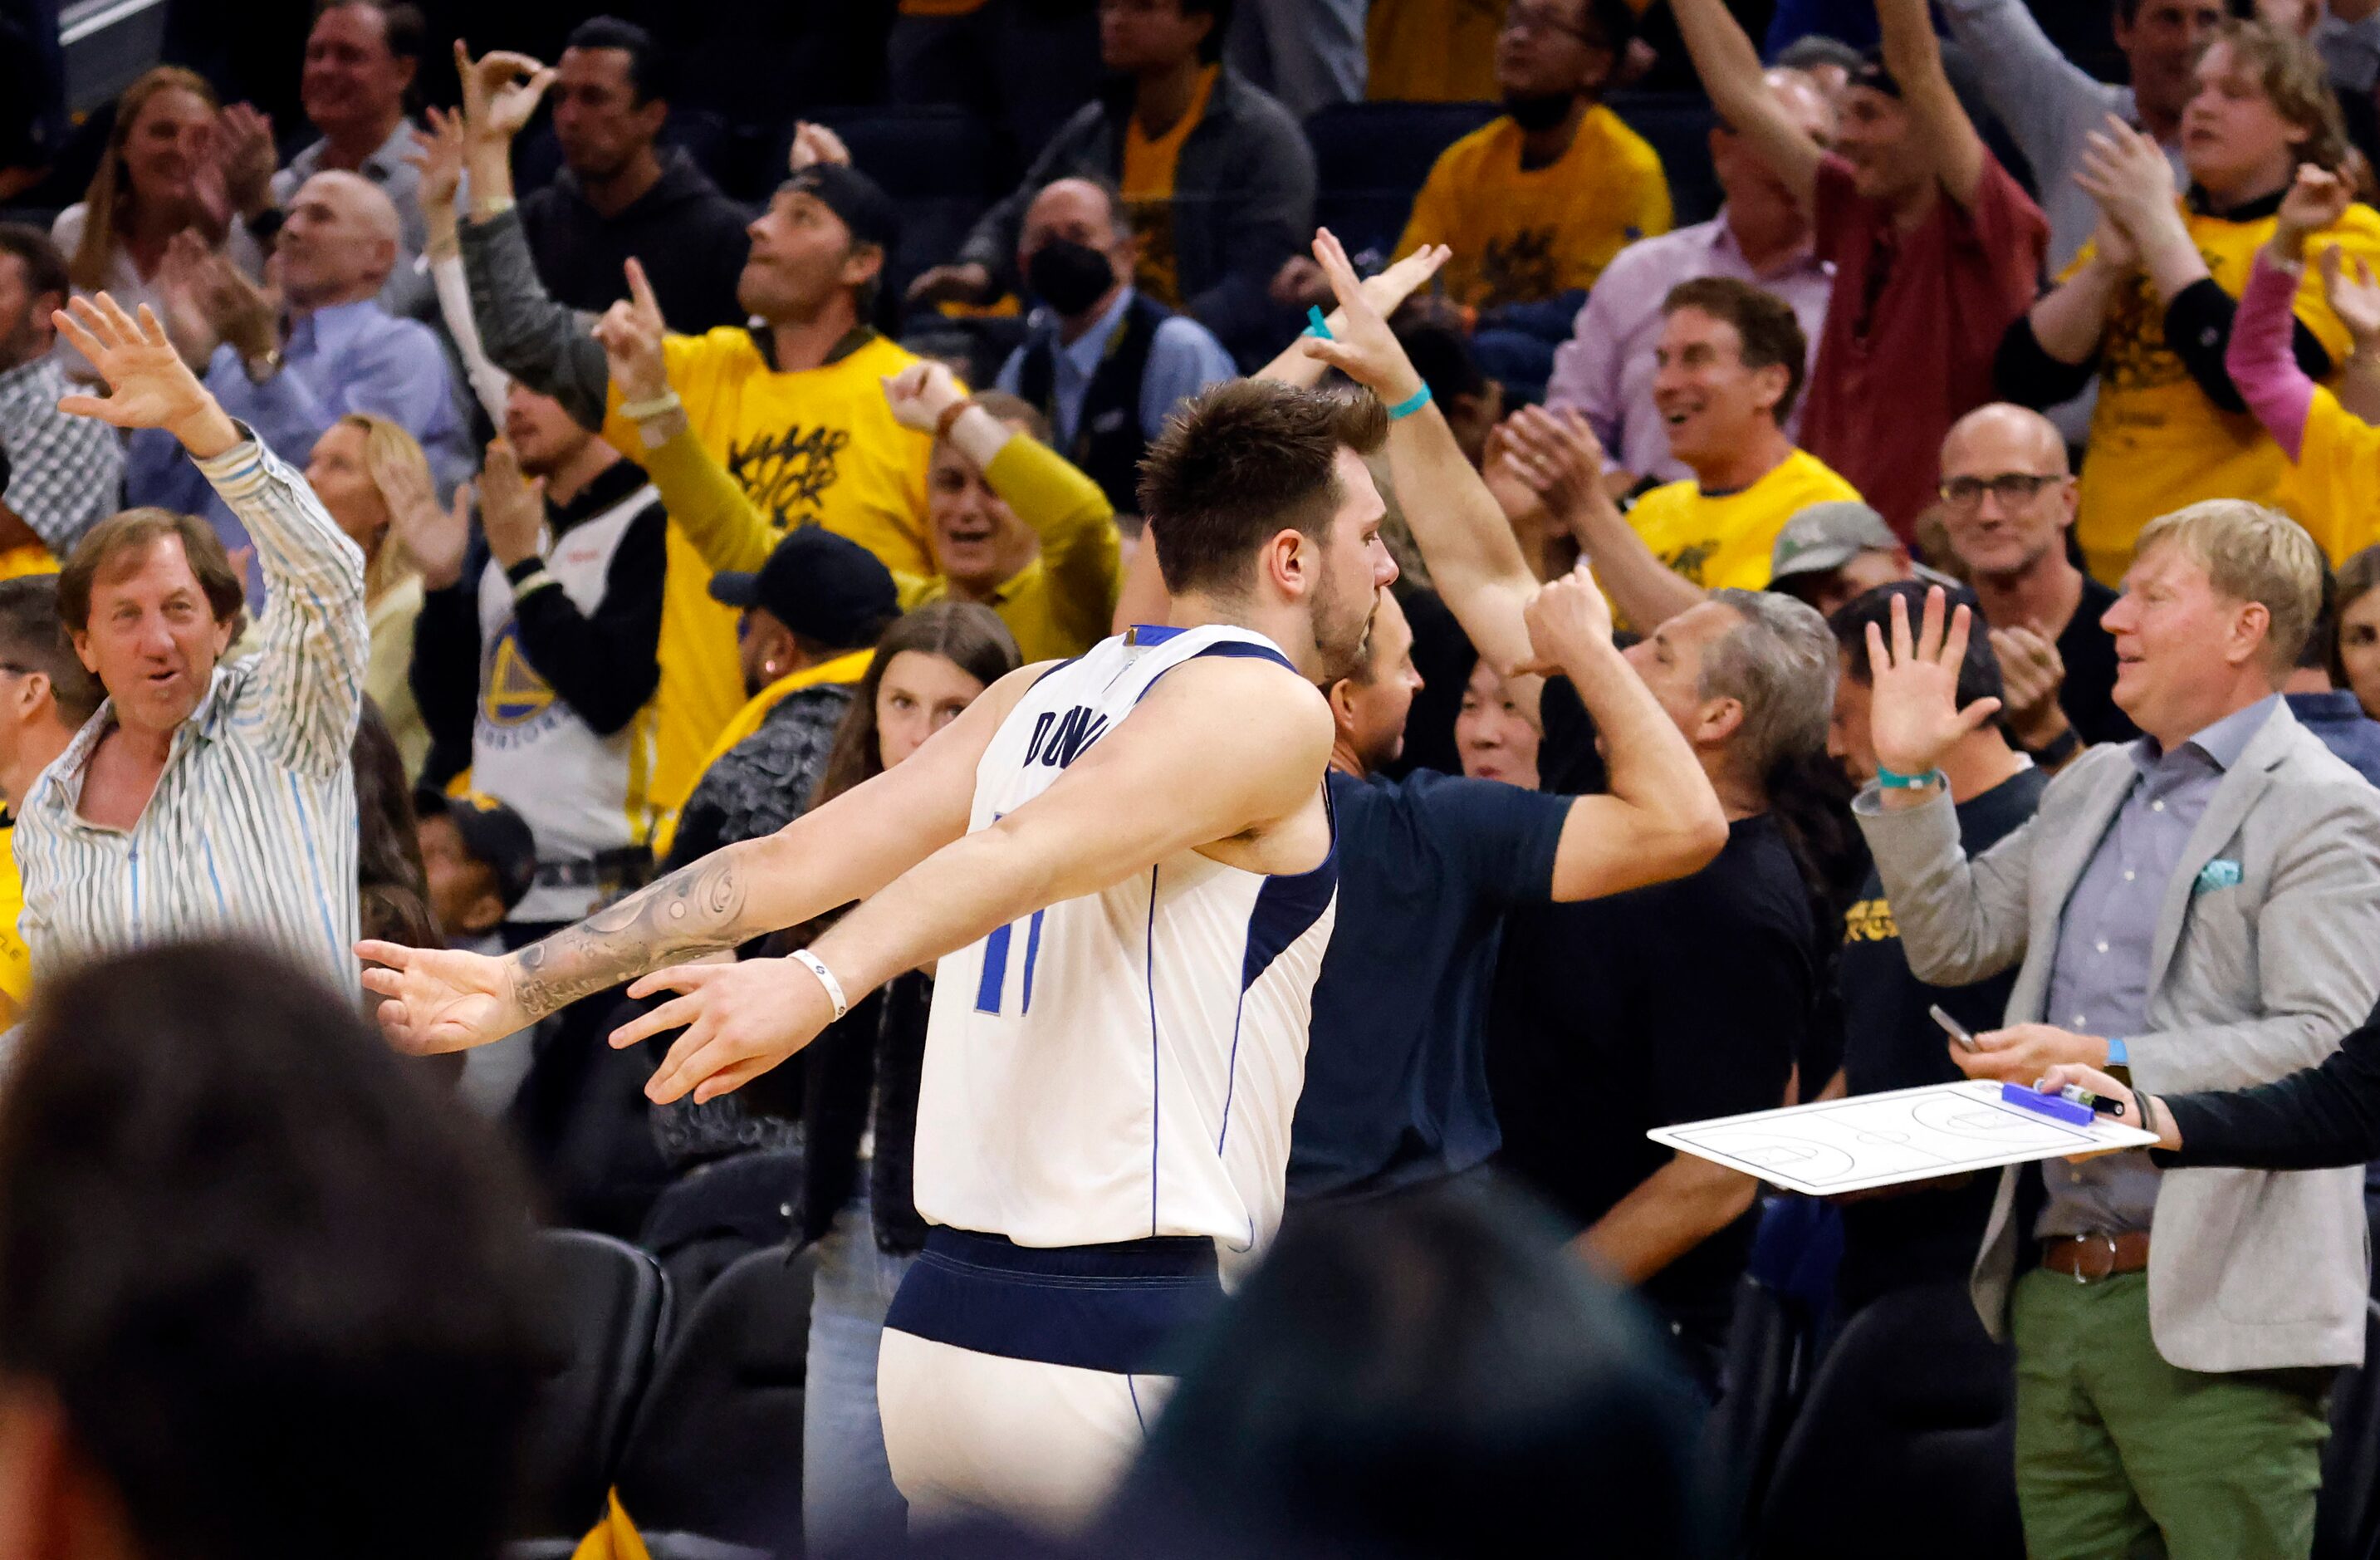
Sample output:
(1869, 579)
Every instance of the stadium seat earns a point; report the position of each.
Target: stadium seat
(2347, 1519)
(1908, 1428)
(717, 1450)
(945, 167)
(607, 1307)
(1677, 125)
(1760, 1382)
(1371, 158)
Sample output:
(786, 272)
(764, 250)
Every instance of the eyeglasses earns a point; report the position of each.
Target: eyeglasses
(2008, 487)
(1543, 20)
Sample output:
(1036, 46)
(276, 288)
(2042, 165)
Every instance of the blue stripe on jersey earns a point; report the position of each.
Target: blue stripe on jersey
(1032, 952)
(1285, 908)
(1238, 648)
(988, 990)
(1123, 1309)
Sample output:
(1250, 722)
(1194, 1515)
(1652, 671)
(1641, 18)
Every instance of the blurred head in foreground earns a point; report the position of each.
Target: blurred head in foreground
(261, 1295)
(1427, 1374)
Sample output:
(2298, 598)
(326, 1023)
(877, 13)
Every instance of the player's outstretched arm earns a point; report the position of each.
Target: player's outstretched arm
(1224, 754)
(446, 999)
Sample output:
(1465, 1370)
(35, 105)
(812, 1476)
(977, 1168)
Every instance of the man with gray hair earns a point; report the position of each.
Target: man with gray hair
(291, 367)
(2200, 906)
(1684, 1001)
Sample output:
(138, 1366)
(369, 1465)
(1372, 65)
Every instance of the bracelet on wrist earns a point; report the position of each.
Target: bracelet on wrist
(639, 411)
(950, 418)
(1892, 781)
(816, 967)
(2057, 749)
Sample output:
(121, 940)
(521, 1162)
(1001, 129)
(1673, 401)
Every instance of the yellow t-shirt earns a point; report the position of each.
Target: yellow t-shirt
(32, 558)
(2331, 491)
(1148, 190)
(1523, 236)
(2157, 442)
(1433, 51)
(1724, 541)
(816, 448)
(16, 959)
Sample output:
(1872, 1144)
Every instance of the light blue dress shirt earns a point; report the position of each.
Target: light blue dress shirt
(347, 357)
(2099, 979)
(1184, 360)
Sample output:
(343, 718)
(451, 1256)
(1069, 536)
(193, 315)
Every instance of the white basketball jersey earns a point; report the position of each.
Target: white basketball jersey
(581, 793)
(1126, 1064)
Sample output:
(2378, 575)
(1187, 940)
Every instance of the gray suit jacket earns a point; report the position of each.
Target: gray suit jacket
(2248, 1269)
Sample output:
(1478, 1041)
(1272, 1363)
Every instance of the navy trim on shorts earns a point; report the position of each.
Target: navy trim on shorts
(1122, 1309)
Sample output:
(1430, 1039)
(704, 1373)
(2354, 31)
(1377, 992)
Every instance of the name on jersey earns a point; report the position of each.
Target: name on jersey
(1059, 739)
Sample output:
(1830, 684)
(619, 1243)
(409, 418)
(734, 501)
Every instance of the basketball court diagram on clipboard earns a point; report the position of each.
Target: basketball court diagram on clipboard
(1838, 1146)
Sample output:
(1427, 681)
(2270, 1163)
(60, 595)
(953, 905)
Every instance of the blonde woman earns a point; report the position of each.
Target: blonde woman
(372, 477)
(163, 175)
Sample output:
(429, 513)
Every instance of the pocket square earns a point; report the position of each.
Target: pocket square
(2221, 873)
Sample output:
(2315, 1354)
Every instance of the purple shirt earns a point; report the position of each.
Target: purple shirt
(1606, 369)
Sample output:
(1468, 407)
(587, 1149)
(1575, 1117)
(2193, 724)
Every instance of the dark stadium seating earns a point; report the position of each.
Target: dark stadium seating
(1912, 1409)
(2347, 1519)
(608, 1310)
(1371, 158)
(717, 1449)
(1760, 1385)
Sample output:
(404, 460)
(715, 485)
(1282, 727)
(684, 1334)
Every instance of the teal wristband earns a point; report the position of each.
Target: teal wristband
(2117, 1057)
(1316, 326)
(1892, 782)
(1410, 405)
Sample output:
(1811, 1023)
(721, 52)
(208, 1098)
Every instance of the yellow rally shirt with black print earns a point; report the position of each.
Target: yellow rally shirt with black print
(1524, 235)
(1147, 190)
(816, 447)
(1724, 539)
(2157, 442)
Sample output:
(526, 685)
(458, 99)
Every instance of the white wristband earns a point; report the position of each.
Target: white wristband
(816, 967)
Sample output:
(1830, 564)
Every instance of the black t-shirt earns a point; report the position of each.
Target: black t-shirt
(2089, 652)
(1675, 1003)
(1396, 1072)
(1568, 763)
(1890, 1041)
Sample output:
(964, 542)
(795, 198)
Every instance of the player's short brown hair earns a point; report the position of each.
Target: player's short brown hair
(1242, 463)
(1771, 333)
(132, 531)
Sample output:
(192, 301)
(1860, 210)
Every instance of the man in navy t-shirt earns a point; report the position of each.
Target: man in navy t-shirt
(1396, 1083)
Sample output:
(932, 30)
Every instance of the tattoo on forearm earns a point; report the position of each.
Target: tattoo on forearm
(695, 910)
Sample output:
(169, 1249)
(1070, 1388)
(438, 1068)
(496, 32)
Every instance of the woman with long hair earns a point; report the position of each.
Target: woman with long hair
(2355, 629)
(159, 178)
(855, 1092)
(373, 478)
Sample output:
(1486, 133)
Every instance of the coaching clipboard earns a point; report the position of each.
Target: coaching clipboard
(1836, 1146)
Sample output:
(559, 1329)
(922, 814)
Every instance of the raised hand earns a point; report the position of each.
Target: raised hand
(148, 385)
(434, 536)
(500, 90)
(1568, 620)
(740, 1020)
(1389, 290)
(438, 153)
(245, 154)
(814, 144)
(630, 334)
(1913, 715)
(2031, 676)
(920, 393)
(1361, 345)
(2127, 173)
(440, 999)
(512, 509)
(2354, 299)
(2314, 200)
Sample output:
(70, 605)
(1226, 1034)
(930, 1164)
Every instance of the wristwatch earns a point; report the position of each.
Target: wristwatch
(2057, 750)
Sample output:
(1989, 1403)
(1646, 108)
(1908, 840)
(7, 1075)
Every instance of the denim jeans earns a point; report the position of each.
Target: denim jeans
(849, 1505)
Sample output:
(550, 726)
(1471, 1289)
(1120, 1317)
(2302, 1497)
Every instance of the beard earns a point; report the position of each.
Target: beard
(1343, 628)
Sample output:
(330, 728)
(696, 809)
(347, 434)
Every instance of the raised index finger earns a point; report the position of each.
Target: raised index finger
(640, 291)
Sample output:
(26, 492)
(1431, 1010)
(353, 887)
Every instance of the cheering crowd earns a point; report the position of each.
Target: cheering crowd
(476, 562)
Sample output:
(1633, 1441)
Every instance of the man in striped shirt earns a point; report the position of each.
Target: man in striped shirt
(201, 799)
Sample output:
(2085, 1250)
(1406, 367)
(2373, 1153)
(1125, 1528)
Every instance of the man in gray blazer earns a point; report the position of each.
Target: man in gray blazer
(2202, 906)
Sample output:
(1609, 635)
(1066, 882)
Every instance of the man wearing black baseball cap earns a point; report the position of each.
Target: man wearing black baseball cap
(479, 857)
(811, 614)
(791, 403)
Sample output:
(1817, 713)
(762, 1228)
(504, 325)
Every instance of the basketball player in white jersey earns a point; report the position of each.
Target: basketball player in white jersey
(1125, 866)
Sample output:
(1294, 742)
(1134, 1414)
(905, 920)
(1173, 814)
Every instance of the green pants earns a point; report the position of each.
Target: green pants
(2119, 1455)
